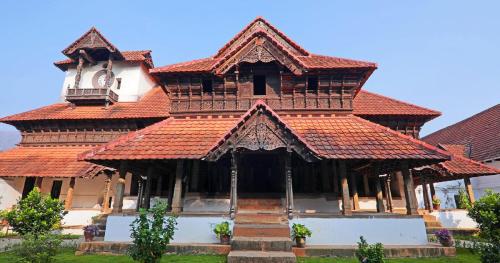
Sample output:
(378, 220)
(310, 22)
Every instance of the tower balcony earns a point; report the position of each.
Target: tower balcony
(91, 96)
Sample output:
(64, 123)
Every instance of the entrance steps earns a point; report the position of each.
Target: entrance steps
(261, 233)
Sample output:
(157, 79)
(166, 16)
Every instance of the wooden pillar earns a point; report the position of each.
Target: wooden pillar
(425, 194)
(78, 75)
(433, 191)
(147, 190)
(38, 183)
(195, 175)
(335, 176)
(380, 196)
(234, 185)
(107, 192)
(69, 196)
(289, 184)
(120, 188)
(388, 193)
(366, 185)
(411, 199)
(140, 193)
(354, 189)
(325, 179)
(470, 191)
(159, 185)
(401, 185)
(177, 195)
(109, 70)
(171, 183)
(346, 201)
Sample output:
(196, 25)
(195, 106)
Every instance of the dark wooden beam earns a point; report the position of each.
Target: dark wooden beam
(87, 57)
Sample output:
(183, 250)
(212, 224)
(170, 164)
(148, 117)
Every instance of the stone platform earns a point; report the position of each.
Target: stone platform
(120, 248)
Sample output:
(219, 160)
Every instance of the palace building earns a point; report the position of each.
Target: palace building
(261, 132)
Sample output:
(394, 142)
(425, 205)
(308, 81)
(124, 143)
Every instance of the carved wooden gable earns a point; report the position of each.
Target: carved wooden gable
(260, 49)
(93, 39)
(262, 130)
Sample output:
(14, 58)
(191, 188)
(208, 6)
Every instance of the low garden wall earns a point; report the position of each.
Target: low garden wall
(454, 218)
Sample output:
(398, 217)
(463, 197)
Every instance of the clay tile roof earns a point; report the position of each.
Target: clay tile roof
(461, 166)
(481, 132)
(327, 62)
(348, 137)
(199, 65)
(368, 103)
(128, 56)
(154, 104)
(53, 161)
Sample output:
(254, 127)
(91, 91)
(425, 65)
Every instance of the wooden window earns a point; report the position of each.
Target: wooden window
(29, 184)
(207, 86)
(312, 83)
(55, 192)
(259, 85)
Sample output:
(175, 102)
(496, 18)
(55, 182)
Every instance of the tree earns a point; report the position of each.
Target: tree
(36, 214)
(151, 234)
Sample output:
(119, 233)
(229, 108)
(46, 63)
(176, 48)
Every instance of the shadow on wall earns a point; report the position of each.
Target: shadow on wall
(457, 218)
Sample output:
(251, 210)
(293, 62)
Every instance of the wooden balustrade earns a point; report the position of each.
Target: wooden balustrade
(99, 94)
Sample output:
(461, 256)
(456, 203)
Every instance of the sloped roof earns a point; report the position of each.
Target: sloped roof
(481, 132)
(347, 137)
(154, 104)
(143, 56)
(53, 161)
(90, 39)
(368, 104)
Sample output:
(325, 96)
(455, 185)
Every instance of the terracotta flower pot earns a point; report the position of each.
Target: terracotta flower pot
(446, 243)
(300, 241)
(436, 206)
(224, 240)
(89, 237)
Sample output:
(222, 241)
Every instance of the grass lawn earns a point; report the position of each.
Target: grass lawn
(464, 256)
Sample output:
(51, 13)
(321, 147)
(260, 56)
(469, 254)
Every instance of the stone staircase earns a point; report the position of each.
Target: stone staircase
(100, 222)
(261, 233)
(431, 223)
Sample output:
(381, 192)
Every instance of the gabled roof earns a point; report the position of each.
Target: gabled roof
(481, 132)
(131, 56)
(154, 104)
(92, 39)
(50, 161)
(348, 137)
(371, 104)
(261, 28)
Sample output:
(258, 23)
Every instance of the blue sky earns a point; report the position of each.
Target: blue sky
(443, 55)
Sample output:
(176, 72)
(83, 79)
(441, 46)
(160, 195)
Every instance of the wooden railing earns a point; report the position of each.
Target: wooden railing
(101, 94)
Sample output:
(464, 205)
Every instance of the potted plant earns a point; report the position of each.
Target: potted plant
(90, 232)
(299, 233)
(436, 203)
(223, 232)
(444, 237)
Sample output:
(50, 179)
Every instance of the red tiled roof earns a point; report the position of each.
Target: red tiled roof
(92, 30)
(348, 137)
(481, 132)
(128, 56)
(154, 104)
(368, 103)
(461, 166)
(54, 161)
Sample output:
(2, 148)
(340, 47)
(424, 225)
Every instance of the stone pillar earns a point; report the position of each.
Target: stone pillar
(120, 188)
(346, 201)
(234, 185)
(147, 190)
(69, 196)
(354, 189)
(325, 179)
(177, 195)
(411, 199)
(380, 196)
(470, 191)
(195, 174)
(335, 176)
(388, 193)
(289, 184)
(107, 190)
(366, 185)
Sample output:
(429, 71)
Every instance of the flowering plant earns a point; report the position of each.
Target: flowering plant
(444, 237)
(91, 229)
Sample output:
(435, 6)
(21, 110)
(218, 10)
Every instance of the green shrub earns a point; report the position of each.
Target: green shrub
(37, 249)
(486, 213)
(463, 200)
(151, 234)
(36, 214)
(436, 201)
(222, 229)
(300, 231)
(370, 253)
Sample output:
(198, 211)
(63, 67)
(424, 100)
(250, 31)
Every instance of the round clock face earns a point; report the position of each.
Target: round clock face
(99, 79)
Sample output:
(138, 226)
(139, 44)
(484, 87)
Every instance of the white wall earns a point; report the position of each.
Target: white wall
(11, 189)
(480, 184)
(135, 80)
(346, 231)
(190, 229)
(454, 219)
